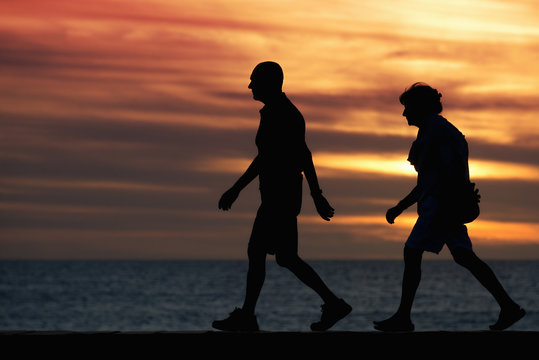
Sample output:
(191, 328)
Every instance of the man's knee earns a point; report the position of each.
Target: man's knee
(462, 256)
(286, 260)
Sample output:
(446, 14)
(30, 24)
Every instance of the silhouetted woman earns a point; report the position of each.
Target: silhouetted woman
(440, 157)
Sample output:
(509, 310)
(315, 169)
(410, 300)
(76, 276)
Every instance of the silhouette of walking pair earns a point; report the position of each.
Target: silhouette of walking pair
(439, 155)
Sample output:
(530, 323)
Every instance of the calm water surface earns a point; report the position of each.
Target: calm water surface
(189, 295)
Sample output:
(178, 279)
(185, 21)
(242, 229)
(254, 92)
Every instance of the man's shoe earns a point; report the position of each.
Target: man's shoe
(238, 320)
(508, 318)
(331, 313)
(394, 324)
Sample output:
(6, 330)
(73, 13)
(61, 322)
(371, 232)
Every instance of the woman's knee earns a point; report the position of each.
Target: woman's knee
(256, 255)
(412, 257)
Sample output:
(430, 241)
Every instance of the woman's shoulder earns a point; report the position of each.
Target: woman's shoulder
(442, 128)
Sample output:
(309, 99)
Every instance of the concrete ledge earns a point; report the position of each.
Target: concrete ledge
(335, 344)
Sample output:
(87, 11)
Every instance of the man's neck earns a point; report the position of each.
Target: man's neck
(273, 98)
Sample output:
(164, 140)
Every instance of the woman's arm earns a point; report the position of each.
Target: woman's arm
(404, 204)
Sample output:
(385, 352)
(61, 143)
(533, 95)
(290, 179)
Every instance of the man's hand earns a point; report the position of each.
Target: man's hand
(322, 206)
(393, 213)
(228, 198)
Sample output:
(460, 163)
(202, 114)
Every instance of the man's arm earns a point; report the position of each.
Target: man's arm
(322, 205)
(228, 198)
(404, 204)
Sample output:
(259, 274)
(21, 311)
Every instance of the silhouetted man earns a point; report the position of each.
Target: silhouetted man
(282, 157)
(440, 157)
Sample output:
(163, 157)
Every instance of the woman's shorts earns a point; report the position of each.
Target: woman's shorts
(430, 233)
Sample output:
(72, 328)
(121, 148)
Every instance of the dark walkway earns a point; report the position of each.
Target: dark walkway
(306, 345)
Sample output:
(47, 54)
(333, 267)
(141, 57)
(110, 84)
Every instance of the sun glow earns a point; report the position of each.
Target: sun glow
(391, 164)
(334, 164)
(394, 164)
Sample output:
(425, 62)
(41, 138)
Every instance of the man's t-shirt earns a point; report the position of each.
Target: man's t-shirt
(282, 154)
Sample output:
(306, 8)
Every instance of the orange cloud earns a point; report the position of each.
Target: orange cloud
(100, 101)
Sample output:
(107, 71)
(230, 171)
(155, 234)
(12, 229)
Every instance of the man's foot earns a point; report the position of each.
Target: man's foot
(331, 313)
(238, 320)
(508, 317)
(394, 324)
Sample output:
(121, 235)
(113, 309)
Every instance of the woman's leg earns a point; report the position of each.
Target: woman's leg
(401, 320)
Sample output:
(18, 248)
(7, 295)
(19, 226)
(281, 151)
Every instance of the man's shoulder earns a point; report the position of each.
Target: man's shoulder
(283, 109)
(292, 110)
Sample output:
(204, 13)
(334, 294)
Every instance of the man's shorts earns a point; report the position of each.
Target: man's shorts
(274, 232)
(430, 234)
(276, 226)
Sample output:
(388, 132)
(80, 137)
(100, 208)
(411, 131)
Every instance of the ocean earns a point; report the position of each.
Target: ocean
(189, 295)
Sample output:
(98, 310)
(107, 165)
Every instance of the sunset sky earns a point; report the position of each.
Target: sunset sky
(123, 121)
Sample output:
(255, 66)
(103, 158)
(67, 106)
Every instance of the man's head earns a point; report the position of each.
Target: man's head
(266, 81)
(420, 101)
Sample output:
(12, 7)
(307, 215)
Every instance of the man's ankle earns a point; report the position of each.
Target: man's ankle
(247, 311)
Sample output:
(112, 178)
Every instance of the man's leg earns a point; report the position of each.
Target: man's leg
(306, 274)
(244, 319)
(256, 275)
(401, 320)
(334, 308)
(510, 311)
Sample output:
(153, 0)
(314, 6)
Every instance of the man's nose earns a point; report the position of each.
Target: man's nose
(250, 85)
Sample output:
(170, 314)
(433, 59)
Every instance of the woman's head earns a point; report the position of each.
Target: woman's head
(420, 100)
